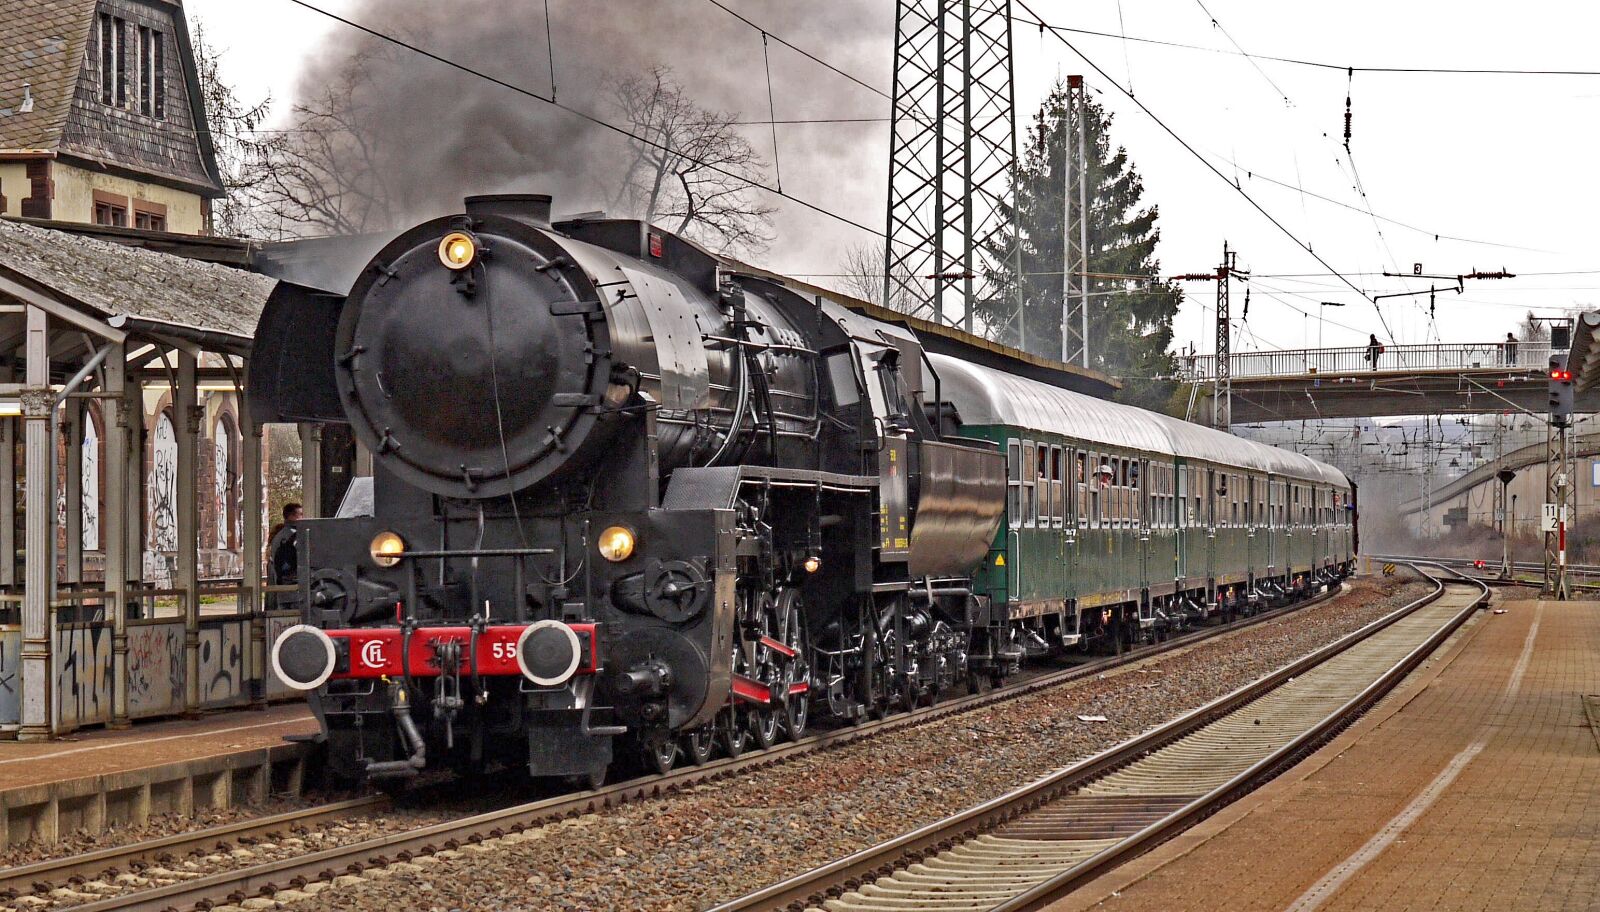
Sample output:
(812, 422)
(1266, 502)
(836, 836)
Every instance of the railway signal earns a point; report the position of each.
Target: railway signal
(1561, 391)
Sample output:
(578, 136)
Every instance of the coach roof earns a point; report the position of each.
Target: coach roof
(984, 396)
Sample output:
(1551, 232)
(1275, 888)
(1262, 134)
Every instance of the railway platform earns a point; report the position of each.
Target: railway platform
(1475, 785)
(101, 778)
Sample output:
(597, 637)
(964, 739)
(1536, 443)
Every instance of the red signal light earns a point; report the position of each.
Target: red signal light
(1561, 375)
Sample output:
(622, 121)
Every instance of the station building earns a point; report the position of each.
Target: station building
(135, 474)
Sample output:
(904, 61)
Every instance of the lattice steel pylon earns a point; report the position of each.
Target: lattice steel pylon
(953, 151)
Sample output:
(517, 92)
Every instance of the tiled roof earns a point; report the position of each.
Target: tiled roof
(112, 280)
(42, 43)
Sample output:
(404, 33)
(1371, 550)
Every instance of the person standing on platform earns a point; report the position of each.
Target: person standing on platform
(283, 552)
(1374, 349)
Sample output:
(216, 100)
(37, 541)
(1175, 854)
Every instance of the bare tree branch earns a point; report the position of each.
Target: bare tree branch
(668, 177)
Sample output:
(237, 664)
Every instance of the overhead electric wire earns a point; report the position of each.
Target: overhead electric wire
(1219, 27)
(803, 52)
(584, 115)
(1207, 162)
(1299, 61)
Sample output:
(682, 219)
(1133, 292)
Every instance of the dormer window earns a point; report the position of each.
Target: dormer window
(152, 73)
(113, 62)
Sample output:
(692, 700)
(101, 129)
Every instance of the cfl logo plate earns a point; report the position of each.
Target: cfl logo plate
(372, 654)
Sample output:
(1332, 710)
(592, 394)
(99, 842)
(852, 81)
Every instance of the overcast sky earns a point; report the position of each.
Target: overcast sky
(1508, 161)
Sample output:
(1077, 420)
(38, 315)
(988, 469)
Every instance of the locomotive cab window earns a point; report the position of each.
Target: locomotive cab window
(842, 379)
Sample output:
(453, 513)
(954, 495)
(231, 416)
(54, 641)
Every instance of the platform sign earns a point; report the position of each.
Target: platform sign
(1594, 474)
(1550, 517)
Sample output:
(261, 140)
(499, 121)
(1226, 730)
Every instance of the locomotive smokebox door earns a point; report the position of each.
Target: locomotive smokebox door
(492, 317)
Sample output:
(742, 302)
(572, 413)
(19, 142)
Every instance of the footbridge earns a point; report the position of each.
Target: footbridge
(1440, 378)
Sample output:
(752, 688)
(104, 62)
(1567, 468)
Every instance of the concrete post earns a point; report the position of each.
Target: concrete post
(114, 526)
(8, 501)
(188, 417)
(250, 549)
(133, 509)
(38, 404)
(311, 469)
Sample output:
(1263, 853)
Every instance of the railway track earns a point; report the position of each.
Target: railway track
(239, 884)
(1585, 576)
(1028, 848)
(22, 879)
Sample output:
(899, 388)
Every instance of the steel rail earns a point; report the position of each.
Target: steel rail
(58, 870)
(813, 887)
(1262, 771)
(270, 877)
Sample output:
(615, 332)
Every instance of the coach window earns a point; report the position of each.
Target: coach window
(1096, 489)
(1029, 507)
(1133, 492)
(1196, 485)
(1014, 482)
(1041, 484)
(1081, 493)
(1058, 491)
(1141, 493)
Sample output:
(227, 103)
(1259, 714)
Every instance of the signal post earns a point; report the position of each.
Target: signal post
(1558, 477)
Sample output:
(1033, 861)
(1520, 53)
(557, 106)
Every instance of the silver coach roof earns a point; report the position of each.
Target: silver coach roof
(984, 396)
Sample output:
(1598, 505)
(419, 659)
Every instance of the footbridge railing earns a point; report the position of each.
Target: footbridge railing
(1440, 357)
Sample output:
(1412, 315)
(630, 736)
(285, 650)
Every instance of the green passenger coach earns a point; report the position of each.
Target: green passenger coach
(1122, 524)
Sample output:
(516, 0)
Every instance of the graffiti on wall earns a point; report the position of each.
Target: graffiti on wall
(91, 485)
(10, 675)
(155, 669)
(222, 662)
(83, 673)
(277, 623)
(163, 490)
(223, 484)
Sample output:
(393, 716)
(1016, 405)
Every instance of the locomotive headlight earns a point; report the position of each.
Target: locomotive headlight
(616, 543)
(386, 549)
(457, 250)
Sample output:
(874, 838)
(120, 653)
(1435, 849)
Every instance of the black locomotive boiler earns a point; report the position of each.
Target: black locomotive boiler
(622, 495)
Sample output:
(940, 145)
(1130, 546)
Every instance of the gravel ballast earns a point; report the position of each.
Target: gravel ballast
(691, 849)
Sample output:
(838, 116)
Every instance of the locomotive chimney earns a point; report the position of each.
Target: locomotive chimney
(528, 208)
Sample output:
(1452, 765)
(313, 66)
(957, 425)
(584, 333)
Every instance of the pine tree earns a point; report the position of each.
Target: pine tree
(1130, 331)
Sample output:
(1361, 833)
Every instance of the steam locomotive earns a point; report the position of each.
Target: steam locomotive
(633, 500)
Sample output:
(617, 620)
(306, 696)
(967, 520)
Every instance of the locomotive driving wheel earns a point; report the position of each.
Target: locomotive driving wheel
(765, 665)
(797, 669)
(700, 744)
(660, 752)
(733, 723)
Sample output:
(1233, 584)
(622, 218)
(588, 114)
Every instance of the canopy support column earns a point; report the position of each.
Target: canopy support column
(250, 548)
(114, 525)
(188, 418)
(38, 405)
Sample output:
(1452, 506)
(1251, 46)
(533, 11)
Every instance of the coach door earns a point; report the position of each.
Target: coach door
(1182, 518)
(1211, 523)
(1272, 526)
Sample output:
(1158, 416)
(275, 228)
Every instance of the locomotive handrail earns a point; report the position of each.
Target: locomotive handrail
(478, 552)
